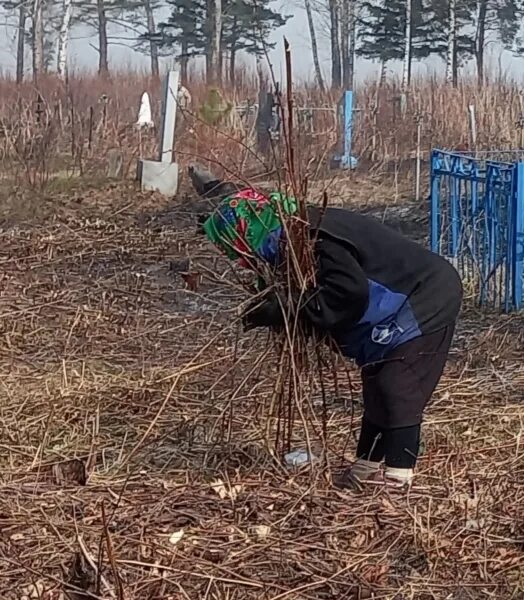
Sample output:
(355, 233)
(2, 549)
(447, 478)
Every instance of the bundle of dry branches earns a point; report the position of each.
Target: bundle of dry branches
(300, 351)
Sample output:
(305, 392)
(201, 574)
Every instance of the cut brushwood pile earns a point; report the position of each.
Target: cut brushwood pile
(300, 354)
(134, 455)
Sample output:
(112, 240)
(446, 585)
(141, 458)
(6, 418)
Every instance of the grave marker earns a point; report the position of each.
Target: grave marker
(115, 163)
(345, 160)
(162, 175)
(144, 112)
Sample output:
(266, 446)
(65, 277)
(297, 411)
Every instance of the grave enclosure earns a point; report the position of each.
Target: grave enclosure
(477, 222)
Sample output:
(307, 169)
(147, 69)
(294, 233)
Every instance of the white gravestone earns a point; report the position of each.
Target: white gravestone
(162, 175)
(144, 113)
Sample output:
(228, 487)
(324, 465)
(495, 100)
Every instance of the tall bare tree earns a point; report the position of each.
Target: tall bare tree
(348, 24)
(103, 61)
(480, 38)
(406, 70)
(20, 42)
(344, 39)
(150, 17)
(336, 63)
(37, 39)
(314, 45)
(352, 42)
(451, 54)
(214, 53)
(63, 38)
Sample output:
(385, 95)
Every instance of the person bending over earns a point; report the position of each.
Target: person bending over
(386, 302)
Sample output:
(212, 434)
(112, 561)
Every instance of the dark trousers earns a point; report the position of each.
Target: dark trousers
(396, 392)
(399, 447)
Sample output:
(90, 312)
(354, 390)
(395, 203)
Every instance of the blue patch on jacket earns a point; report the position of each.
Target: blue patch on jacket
(388, 322)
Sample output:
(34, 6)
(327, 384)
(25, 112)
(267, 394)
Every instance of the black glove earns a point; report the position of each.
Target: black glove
(264, 313)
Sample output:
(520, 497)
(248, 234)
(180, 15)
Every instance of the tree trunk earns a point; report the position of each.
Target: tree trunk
(233, 51)
(480, 39)
(209, 27)
(344, 41)
(451, 57)
(406, 71)
(20, 46)
(223, 51)
(336, 70)
(38, 39)
(383, 73)
(314, 45)
(352, 43)
(215, 40)
(63, 38)
(103, 65)
(232, 65)
(217, 36)
(153, 48)
(184, 61)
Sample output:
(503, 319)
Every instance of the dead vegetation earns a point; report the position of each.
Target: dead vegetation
(63, 131)
(136, 440)
(135, 461)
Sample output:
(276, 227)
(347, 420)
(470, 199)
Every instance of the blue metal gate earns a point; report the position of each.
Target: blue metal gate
(477, 222)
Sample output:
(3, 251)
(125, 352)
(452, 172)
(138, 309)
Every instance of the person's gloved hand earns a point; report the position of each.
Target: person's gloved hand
(266, 312)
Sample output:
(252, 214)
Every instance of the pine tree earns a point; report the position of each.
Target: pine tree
(495, 20)
(137, 19)
(446, 31)
(99, 15)
(246, 25)
(382, 30)
(149, 8)
(386, 34)
(459, 30)
(185, 30)
(421, 28)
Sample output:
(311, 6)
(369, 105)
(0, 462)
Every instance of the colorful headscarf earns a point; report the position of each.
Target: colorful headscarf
(249, 223)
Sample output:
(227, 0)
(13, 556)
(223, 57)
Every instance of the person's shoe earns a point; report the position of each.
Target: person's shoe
(398, 478)
(362, 472)
(347, 481)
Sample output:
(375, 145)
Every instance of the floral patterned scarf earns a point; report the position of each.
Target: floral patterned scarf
(248, 224)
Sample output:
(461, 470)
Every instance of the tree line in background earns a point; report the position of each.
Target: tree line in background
(215, 29)
(458, 31)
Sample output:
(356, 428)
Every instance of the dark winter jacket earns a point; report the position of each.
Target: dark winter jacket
(375, 289)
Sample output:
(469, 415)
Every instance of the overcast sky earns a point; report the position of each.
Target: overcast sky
(85, 56)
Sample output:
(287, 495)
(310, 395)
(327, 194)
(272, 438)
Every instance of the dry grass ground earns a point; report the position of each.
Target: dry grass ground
(133, 461)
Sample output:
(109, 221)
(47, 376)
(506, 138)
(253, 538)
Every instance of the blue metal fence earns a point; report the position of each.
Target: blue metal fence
(477, 222)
